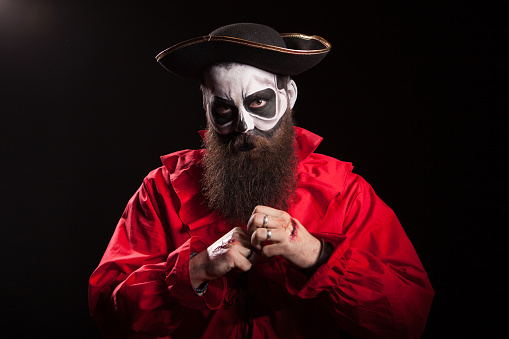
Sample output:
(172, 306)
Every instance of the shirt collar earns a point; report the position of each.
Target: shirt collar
(185, 172)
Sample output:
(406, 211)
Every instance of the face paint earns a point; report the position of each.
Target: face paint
(222, 245)
(241, 98)
(293, 235)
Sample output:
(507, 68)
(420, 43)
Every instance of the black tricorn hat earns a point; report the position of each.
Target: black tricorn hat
(246, 43)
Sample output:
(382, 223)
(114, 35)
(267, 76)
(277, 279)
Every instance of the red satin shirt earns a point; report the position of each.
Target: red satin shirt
(373, 285)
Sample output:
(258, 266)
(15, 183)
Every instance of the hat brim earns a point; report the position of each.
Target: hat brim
(188, 58)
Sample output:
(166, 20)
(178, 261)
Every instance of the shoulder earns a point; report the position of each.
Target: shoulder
(327, 171)
(175, 165)
(181, 160)
(324, 182)
(328, 174)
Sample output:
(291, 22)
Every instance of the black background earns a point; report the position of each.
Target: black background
(413, 94)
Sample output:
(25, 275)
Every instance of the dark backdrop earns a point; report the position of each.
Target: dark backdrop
(414, 95)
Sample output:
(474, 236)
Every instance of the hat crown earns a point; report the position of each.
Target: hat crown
(252, 32)
(252, 44)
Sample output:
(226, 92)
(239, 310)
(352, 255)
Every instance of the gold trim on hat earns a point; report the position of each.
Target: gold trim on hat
(208, 38)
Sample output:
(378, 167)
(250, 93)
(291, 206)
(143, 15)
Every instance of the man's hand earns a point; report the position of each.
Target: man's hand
(231, 251)
(275, 232)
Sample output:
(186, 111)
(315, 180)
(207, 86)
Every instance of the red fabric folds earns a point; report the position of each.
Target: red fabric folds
(372, 286)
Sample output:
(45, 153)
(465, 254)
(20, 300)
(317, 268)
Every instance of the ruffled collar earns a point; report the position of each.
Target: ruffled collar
(185, 169)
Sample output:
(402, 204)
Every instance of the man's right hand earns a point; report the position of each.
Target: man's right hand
(228, 253)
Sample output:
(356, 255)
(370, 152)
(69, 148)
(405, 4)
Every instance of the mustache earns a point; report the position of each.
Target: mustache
(236, 142)
(242, 142)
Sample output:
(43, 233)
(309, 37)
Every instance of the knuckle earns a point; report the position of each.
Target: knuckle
(229, 255)
(259, 218)
(251, 219)
(256, 209)
(256, 232)
(263, 234)
(286, 216)
(255, 220)
(258, 236)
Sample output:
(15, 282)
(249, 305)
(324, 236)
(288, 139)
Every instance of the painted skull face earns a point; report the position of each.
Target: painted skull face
(241, 98)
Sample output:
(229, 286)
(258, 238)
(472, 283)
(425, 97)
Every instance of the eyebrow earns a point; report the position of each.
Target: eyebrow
(264, 94)
(223, 100)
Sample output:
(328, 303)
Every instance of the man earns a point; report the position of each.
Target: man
(256, 236)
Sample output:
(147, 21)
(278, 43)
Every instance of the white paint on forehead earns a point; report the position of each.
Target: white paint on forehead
(234, 82)
(237, 81)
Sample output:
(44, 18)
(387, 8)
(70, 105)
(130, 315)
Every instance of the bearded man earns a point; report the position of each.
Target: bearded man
(256, 236)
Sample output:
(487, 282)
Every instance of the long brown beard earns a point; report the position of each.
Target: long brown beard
(237, 179)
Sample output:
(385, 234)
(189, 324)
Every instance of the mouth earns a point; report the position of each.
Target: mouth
(244, 142)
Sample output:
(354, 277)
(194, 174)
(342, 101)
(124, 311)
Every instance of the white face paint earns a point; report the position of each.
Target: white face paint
(238, 97)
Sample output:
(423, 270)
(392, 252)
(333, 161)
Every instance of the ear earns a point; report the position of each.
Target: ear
(292, 92)
(205, 96)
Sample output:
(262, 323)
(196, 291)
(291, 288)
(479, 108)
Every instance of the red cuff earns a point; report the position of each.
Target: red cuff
(297, 283)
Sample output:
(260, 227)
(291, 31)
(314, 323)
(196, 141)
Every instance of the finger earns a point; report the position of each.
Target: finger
(273, 250)
(275, 222)
(263, 215)
(266, 234)
(247, 252)
(259, 220)
(252, 256)
(240, 260)
(251, 226)
(258, 236)
(271, 212)
(242, 236)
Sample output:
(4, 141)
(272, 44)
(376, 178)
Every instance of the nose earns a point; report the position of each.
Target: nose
(245, 122)
(241, 126)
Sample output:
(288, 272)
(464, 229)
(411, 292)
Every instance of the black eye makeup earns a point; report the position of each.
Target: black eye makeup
(223, 111)
(262, 103)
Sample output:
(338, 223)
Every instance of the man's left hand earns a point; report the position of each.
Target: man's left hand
(275, 232)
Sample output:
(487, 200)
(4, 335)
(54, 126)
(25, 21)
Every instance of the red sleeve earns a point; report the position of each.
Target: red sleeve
(374, 282)
(142, 284)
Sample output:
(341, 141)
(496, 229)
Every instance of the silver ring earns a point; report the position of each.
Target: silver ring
(250, 254)
(265, 220)
(269, 234)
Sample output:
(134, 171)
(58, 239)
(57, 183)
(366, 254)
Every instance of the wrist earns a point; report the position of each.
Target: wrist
(197, 274)
(317, 252)
(326, 250)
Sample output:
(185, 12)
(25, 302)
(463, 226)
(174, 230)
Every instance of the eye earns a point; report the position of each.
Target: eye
(261, 103)
(223, 109)
(257, 103)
